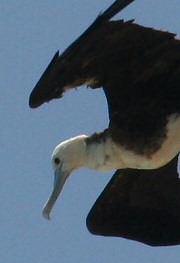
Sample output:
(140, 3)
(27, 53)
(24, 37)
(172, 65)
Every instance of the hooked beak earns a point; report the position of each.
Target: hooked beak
(59, 181)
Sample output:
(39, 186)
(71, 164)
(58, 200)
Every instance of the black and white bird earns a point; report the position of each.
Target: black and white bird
(139, 70)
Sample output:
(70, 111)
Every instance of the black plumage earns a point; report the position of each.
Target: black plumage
(139, 71)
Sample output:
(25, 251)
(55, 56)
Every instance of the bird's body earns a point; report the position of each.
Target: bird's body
(139, 71)
(116, 156)
(140, 77)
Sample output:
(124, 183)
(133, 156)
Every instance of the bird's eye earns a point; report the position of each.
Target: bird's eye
(56, 160)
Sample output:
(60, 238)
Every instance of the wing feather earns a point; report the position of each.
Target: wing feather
(50, 86)
(142, 205)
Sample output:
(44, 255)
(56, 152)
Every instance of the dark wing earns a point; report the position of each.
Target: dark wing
(61, 73)
(142, 85)
(142, 205)
(138, 68)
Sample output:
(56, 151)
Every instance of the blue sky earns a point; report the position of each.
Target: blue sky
(31, 32)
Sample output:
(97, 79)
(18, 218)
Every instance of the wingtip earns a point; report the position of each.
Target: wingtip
(37, 97)
(33, 103)
(46, 215)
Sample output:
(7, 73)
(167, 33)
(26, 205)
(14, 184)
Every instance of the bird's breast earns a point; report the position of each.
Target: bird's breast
(104, 153)
(168, 149)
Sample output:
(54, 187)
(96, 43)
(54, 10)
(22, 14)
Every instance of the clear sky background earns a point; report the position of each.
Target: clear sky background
(30, 33)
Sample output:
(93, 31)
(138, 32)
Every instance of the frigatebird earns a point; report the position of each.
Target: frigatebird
(139, 70)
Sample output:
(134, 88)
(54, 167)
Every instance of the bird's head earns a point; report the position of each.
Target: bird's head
(67, 156)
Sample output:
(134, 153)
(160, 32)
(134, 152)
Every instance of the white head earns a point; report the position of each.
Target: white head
(67, 156)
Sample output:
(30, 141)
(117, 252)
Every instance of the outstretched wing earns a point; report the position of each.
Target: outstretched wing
(142, 205)
(132, 63)
(61, 73)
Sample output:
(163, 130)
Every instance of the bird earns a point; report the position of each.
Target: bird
(138, 69)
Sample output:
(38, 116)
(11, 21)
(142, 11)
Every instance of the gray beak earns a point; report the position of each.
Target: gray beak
(59, 181)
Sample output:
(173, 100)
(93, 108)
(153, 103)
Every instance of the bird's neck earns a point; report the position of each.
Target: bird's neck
(101, 153)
